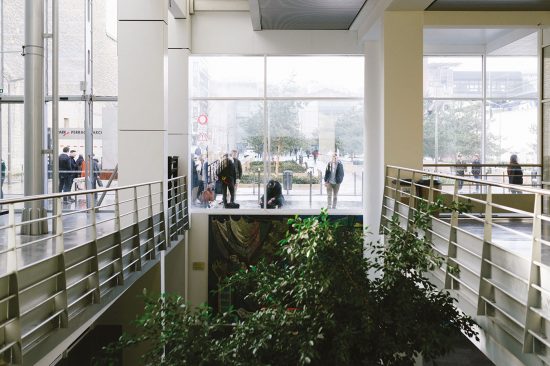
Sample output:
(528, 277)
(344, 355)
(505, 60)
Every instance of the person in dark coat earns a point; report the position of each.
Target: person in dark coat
(515, 173)
(238, 169)
(274, 193)
(65, 173)
(3, 178)
(227, 176)
(334, 175)
(476, 169)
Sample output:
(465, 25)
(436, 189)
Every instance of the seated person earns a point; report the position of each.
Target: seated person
(275, 197)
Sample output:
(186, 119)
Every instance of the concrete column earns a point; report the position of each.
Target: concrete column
(179, 39)
(34, 97)
(178, 133)
(374, 135)
(35, 180)
(142, 92)
(403, 88)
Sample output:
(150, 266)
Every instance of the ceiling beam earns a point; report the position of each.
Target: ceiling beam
(221, 5)
(255, 16)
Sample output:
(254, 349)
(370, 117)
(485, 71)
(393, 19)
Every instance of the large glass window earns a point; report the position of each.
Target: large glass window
(483, 106)
(285, 140)
(83, 40)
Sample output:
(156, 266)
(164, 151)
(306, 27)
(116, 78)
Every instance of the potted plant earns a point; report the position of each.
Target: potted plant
(326, 298)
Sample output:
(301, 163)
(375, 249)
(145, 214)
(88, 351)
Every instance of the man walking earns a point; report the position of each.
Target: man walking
(65, 173)
(334, 175)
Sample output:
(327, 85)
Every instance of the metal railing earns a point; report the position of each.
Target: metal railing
(496, 173)
(88, 250)
(503, 278)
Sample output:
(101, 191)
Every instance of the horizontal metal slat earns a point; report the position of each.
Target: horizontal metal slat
(41, 324)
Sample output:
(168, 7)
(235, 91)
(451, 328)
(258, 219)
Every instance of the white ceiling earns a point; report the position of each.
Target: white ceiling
(490, 5)
(492, 41)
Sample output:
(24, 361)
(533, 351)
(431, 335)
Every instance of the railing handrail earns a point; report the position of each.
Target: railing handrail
(481, 165)
(470, 180)
(501, 275)
(81, 192)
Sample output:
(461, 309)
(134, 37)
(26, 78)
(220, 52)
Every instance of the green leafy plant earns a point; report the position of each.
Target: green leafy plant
(326, 298)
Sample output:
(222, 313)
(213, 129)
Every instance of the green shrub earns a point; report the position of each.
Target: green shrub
(319, 301)
(283, 165)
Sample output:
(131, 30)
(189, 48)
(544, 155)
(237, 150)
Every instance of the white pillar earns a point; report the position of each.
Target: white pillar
(142, 92)
(374, 135)
(179, 36)
(177, 273)
(403, 89)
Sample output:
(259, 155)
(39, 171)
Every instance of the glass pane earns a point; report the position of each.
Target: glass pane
(452, 127)
(71, 46)
(452, 76)
(304, 137)
(330, 76)
(13, 148)
(105, 146)
(546, 142)
(71, 133)
(546, 73)
(218, 128)
(105, 47)
(227, 76)
(12, 66)
(509, 76)
(512, 129)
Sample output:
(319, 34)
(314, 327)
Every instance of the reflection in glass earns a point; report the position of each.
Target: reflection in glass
(71, 46)
(319, 76)
(546, 72)
(512, 77)
(227, 76)
(105, 48)
(304, 135)
(287, 146)
(453, 76)
(452, 127)
(105, 147)
(13, 147)
(219, 128)
(12, 66)
(512, 128)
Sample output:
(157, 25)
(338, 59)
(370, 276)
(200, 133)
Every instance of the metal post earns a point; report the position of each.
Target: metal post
(259, 184)
(33, 50)
(88, 114)
(1, 81)
(9, 167)
(309, 174)
(355, 183)
(55, 96)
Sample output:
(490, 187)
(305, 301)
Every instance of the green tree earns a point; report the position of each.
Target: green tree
(320, 301)
(284, 126)
(459, 129)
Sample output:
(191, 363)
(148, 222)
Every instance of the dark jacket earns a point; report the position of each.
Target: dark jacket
(476, 168)
(65, 166)
(339, 172)
(515, 174)
(238, 168)
(226, 171)
(275, 191)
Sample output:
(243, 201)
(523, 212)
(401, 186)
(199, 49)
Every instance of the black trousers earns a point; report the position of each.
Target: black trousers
(228, 184)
